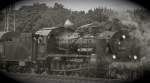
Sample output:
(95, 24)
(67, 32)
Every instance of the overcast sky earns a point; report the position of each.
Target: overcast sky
(77, 5)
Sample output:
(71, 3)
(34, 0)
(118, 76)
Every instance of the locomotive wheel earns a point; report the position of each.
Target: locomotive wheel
(118, 74)
(13, 68)
(38, 69)
(24, 69)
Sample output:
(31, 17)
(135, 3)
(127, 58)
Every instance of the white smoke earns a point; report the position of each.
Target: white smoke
(141, 32)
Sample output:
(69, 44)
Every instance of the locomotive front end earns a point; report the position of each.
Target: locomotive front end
(125, 54)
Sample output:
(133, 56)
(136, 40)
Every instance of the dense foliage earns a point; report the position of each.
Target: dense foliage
(39, 15)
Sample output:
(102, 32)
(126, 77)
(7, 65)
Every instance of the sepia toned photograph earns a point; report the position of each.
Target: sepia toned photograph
(74, 41)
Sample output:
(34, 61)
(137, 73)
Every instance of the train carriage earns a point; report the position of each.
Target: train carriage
(16, 50)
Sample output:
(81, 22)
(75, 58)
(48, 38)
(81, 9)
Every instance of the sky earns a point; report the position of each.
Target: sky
(77, 5)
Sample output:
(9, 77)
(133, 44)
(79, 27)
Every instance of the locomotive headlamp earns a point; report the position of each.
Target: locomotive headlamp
(114, 56)
(123, 36)
(135, 57)
(119, 43)
(57, 58)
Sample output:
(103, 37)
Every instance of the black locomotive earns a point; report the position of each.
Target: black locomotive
(61, 51)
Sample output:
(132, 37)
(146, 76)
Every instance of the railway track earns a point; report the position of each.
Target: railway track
(34, 78)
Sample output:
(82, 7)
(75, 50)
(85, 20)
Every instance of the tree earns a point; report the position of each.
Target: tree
(98, 14)
(58, 6)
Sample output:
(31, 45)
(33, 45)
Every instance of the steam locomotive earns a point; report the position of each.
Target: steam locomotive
(61, 51)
